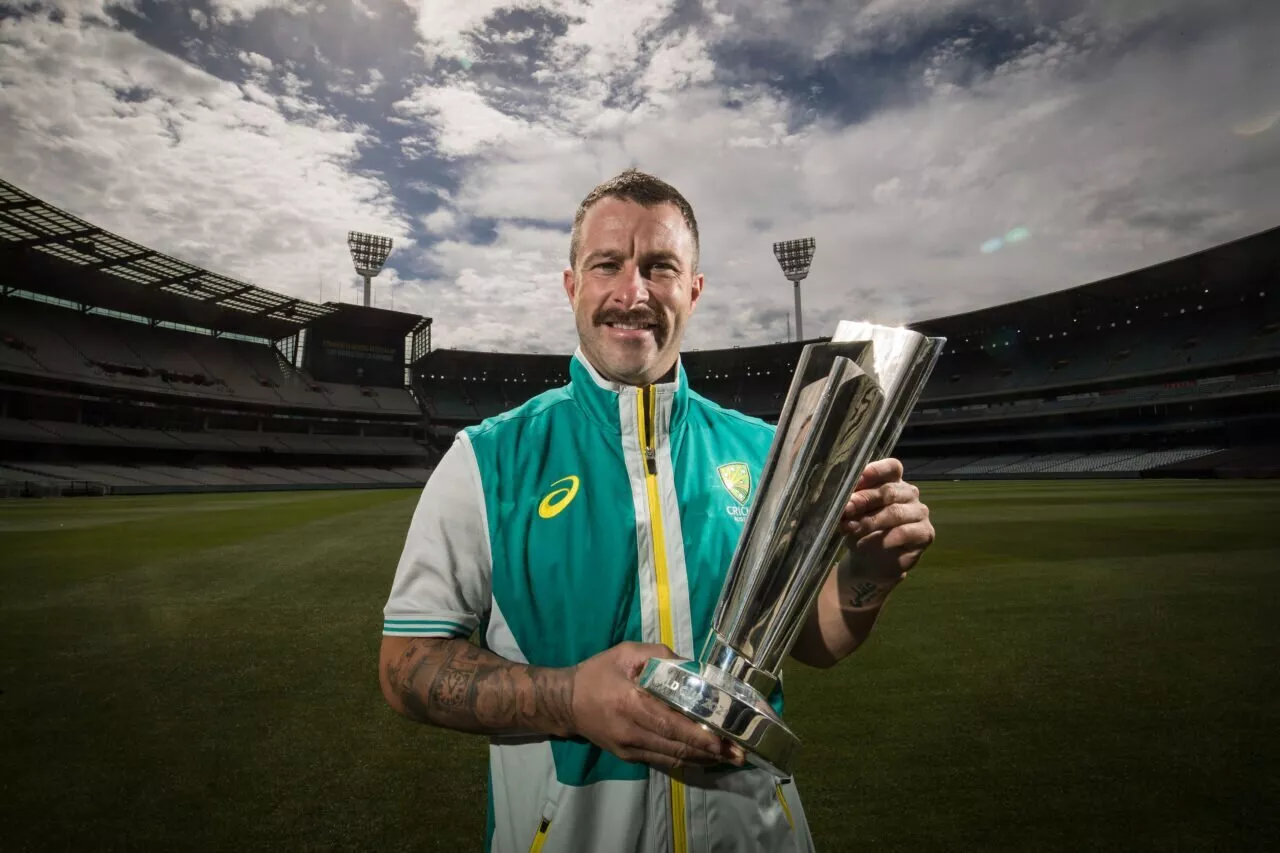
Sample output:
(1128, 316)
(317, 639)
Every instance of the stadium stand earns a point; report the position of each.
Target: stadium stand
(126, 371)
(1156, 371)
(1161, 370)
(53, 342)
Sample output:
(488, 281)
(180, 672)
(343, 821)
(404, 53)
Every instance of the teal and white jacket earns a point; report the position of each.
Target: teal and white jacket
(594, 514)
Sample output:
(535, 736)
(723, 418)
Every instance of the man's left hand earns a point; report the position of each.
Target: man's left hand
(885, 525)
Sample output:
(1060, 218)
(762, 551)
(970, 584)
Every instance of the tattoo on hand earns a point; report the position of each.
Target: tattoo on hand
(864, 594)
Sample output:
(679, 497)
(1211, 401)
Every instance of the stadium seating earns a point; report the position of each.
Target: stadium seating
(62, 433)
(987, 465)
(53, 479)
(1225, 336)
(1157, 459)
(1053, 377)
(938, 467)
(1134, 461)
(1036, 464)
(1138, 375)
(101, 350)
(1202, 388)
(160, 478)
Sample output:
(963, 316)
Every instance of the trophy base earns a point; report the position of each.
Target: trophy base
(727, 706)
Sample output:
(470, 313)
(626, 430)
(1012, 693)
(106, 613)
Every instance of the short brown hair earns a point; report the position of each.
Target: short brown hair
(643, 189)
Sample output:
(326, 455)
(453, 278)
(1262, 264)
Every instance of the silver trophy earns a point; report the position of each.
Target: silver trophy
(848, 402)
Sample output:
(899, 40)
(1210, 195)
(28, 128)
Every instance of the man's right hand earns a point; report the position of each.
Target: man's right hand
(611, 711)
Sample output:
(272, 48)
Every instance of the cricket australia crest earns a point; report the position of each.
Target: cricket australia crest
(736, 477)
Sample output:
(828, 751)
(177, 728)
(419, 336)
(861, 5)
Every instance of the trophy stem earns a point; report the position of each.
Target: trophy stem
(718, 653)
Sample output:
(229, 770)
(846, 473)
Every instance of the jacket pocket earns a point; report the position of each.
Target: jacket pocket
(550, 805)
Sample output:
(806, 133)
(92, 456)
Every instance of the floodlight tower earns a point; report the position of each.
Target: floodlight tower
(369, 252)
(795, 257)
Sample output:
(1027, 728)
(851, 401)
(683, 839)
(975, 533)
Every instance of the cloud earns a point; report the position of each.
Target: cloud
(510, 295)
(254, 185)
(442, 221)
(1064, 137)
(463, 122)
(603, 37)
(77, 11)
(345, 81)
(679, 62)
(904, 135)
(374, 83)
(256, 61)
(228, 11)
(444, 24)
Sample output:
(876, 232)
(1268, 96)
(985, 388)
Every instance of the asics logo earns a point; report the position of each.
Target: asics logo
(559, 498)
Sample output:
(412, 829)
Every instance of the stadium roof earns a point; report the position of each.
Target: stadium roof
(54, 253)
(501, 364)
(1222, 270)
(347, 316)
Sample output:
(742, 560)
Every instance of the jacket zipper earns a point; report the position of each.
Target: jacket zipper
(646, 399)
(786, 809)
(541, 838)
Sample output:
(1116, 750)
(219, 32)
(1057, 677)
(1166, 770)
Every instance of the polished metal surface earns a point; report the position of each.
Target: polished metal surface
(846, 407)
(724, 657)
(727, 707)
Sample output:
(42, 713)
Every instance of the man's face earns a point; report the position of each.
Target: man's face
(634, 289)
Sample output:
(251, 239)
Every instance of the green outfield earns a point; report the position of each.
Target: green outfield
(1076, 666)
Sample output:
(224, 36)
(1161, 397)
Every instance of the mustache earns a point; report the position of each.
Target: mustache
(637, 317)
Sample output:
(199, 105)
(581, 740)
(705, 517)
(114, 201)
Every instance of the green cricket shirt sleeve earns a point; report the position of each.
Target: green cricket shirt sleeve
(442, 583)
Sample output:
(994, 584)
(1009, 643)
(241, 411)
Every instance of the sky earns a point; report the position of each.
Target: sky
(946, 155)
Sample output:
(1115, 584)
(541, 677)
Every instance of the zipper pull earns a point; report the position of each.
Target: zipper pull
(647, 429)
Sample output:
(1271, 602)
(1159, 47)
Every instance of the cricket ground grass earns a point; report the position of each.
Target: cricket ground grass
(1073, 666)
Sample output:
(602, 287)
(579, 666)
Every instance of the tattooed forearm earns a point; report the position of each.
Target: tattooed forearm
(861, 595)
(455, 684)
(857, 592)
(847, 609)
(449, 688)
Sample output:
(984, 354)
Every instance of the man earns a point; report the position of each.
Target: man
(589, 530)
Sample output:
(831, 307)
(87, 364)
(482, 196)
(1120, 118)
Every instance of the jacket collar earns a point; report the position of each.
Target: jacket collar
(599, 396)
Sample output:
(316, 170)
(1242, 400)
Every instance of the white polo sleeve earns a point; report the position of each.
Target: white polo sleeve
(443, 581)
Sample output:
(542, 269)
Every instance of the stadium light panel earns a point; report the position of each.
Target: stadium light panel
(795, 257)
(368, 252)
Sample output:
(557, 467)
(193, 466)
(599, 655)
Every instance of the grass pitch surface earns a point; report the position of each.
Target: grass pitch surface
(1075, 665)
